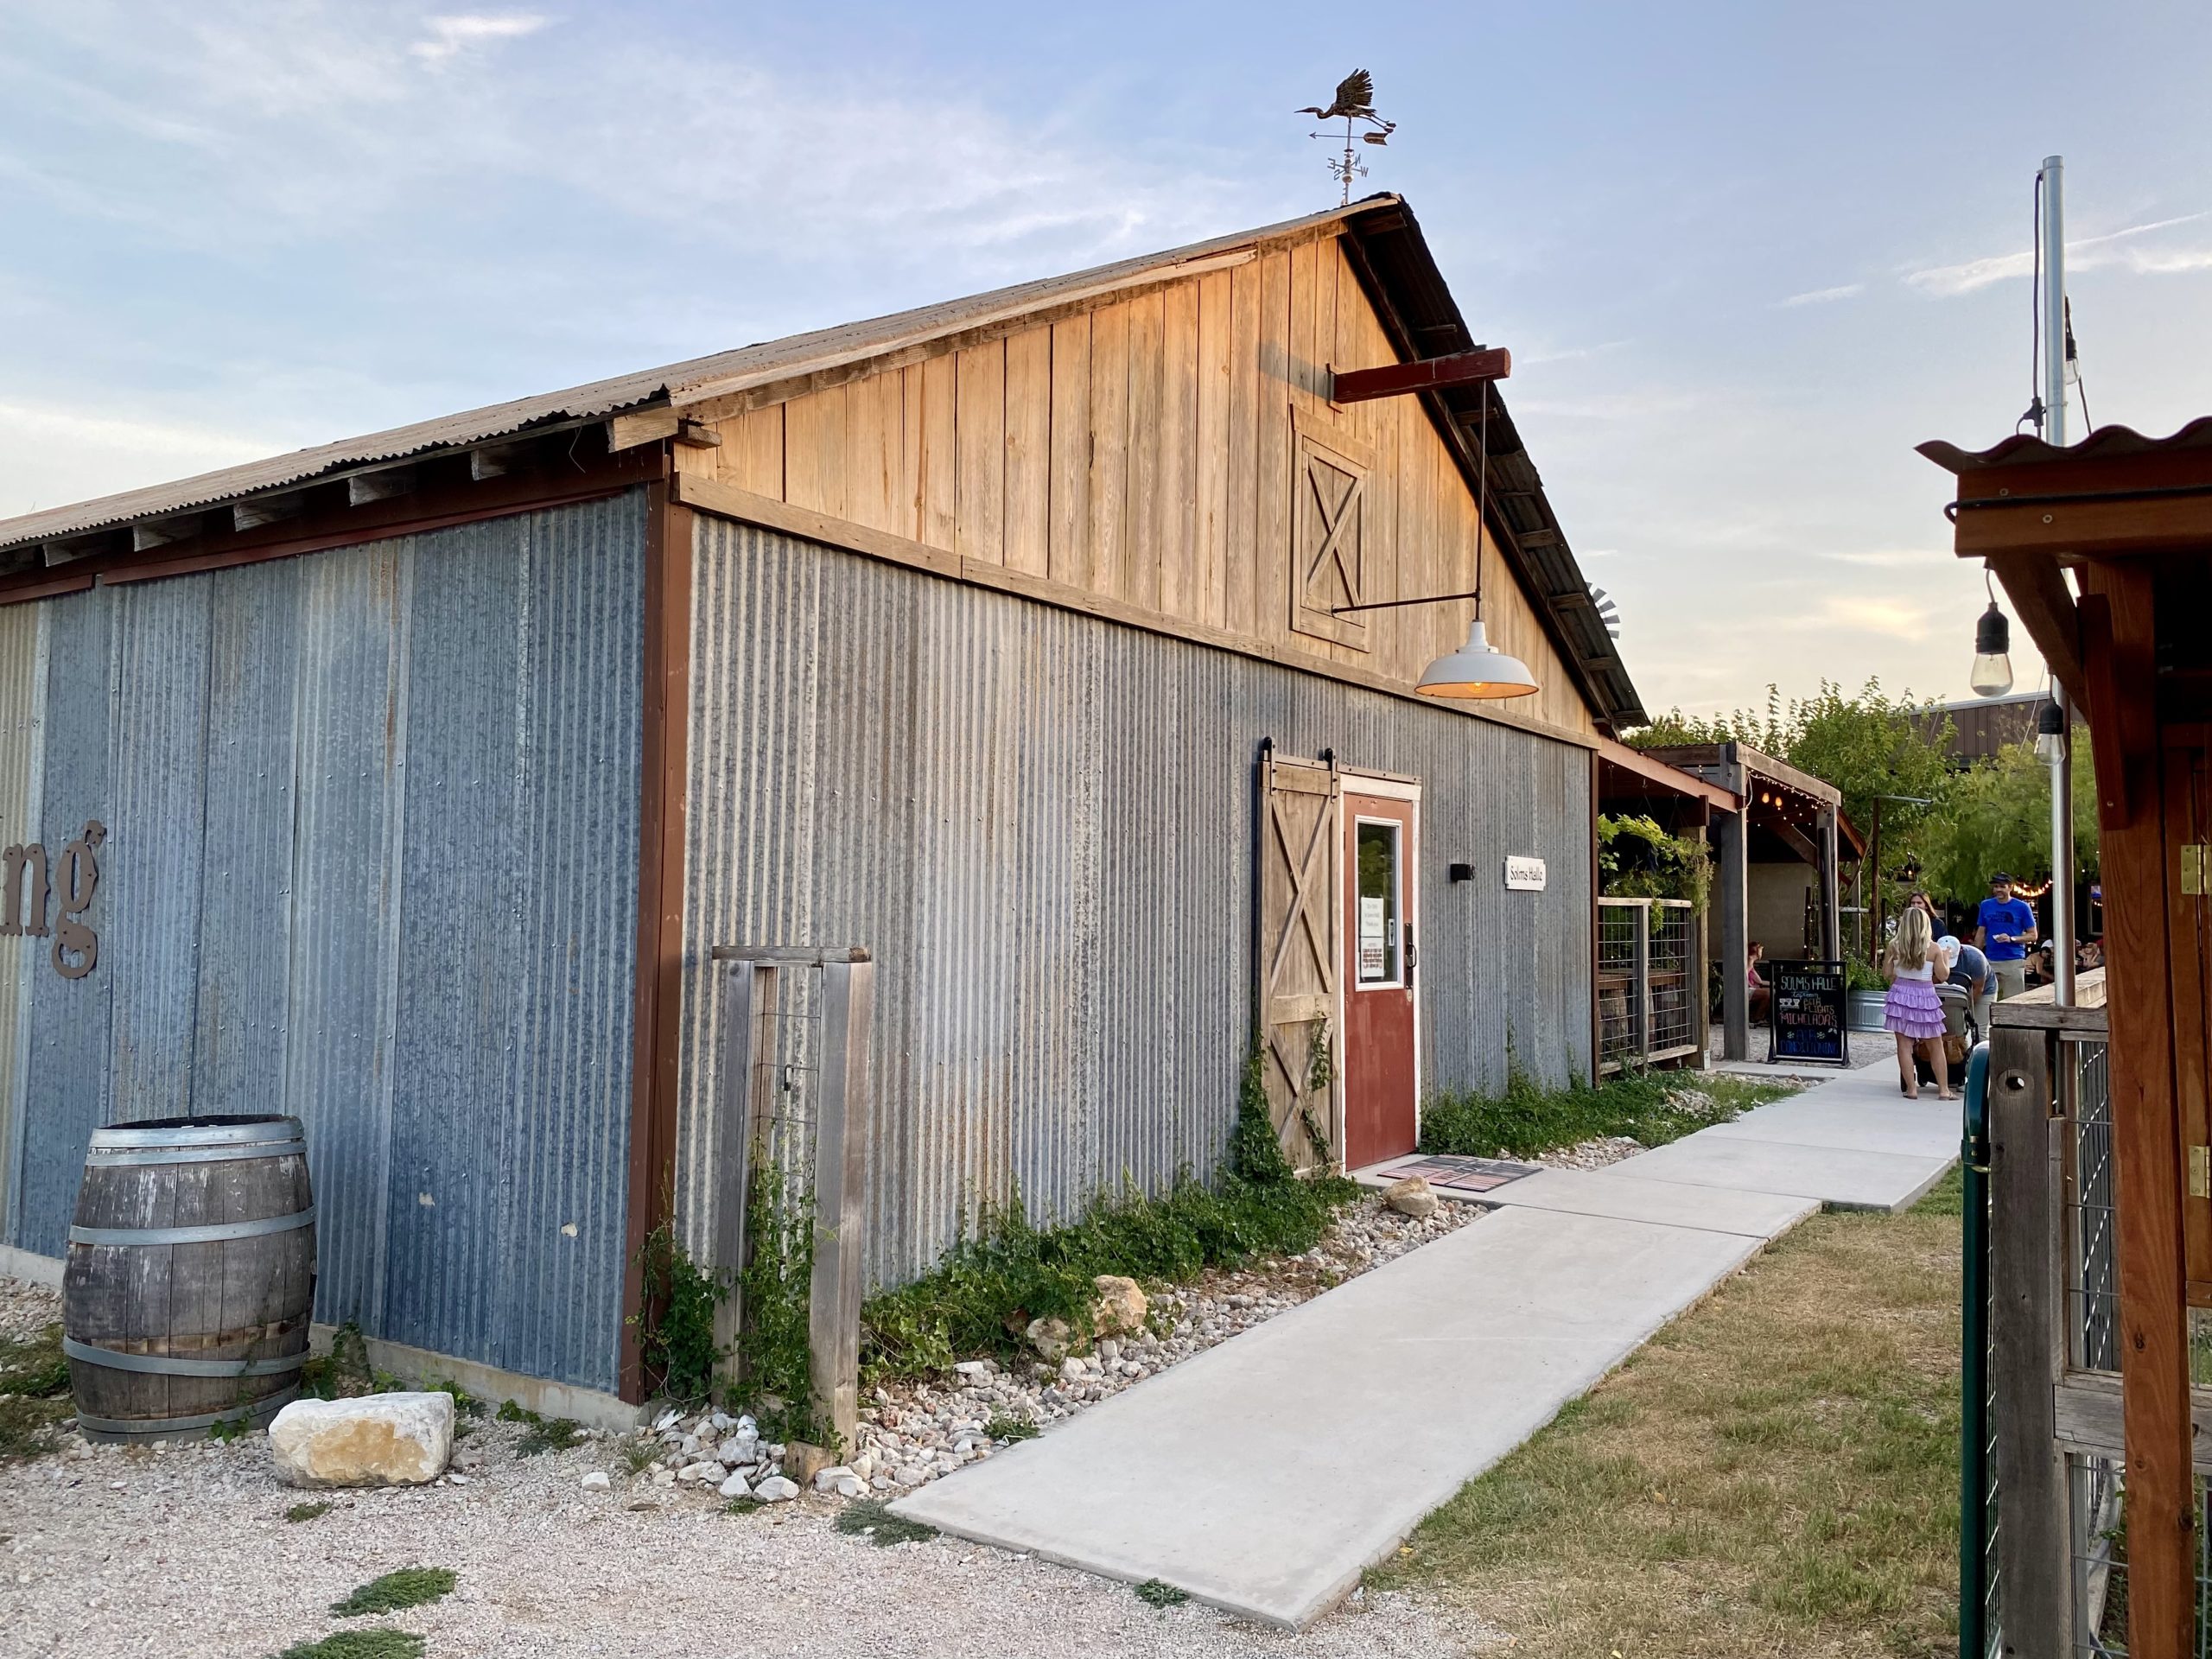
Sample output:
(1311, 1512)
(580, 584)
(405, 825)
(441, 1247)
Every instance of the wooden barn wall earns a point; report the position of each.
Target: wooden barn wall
(373, 823)
(1145, 450)
(1040, 822)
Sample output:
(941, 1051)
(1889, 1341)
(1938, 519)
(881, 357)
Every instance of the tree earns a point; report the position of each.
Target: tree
(1865, 745)
(1996, 816)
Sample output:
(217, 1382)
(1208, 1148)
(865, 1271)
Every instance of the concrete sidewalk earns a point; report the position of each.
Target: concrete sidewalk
(1266, 1474)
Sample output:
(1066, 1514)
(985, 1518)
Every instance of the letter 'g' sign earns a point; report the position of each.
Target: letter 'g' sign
(1524, 874)
(29, 892)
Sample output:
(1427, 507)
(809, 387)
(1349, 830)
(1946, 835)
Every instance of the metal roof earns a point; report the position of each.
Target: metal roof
(1387, 245)
(2106, 442)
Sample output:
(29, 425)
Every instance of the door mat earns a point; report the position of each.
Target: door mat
(1458, 1174)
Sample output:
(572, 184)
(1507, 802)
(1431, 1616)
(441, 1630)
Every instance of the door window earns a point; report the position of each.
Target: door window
(1379, 941)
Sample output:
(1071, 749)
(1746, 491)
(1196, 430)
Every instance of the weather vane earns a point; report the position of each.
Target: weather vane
(1354, 101)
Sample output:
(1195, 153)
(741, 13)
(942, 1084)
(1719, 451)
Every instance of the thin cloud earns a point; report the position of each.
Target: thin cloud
(449, 36)
(2090, 253)
(1825, 295)
(1888, 558)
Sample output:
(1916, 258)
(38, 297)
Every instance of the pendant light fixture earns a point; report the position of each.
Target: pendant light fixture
(1478, 669)
(1992, 674)
(2050, 734)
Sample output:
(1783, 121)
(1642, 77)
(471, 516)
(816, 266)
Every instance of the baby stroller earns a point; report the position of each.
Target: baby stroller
(1956, 1045)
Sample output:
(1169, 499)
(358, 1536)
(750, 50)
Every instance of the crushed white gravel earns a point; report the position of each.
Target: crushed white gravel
(185, 1551)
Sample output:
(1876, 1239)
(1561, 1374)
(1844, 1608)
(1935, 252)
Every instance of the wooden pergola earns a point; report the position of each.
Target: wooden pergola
(2105, 552)
(1776, 802)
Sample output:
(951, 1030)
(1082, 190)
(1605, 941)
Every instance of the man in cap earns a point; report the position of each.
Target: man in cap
(2005, 928)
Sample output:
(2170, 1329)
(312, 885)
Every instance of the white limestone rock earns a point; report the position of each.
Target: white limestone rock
(381, 1440)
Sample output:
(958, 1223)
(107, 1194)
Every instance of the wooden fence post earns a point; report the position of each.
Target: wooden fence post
(2028, 1343)
(841, 1194)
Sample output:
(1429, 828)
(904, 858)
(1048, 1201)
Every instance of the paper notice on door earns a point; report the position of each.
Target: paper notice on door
(1372, 938)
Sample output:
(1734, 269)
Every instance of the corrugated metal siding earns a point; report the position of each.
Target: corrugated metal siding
(373, 833)
(21, 675)
(1040, 824)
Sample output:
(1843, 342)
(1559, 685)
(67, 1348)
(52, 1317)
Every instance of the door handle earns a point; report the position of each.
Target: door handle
(1412, 957)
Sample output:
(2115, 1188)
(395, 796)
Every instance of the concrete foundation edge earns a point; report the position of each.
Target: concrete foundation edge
(590, 1406)
(38, 1269)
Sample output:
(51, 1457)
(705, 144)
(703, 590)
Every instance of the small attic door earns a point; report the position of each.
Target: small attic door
(1328, 566)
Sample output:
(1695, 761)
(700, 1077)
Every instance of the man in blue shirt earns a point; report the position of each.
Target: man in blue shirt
(2005, 929)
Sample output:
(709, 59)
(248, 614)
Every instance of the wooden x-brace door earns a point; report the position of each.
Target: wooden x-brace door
(1299, 952)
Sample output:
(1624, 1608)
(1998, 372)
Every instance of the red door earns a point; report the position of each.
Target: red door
(1380, 958)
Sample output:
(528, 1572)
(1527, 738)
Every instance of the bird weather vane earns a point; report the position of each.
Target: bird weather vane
(1355, 102)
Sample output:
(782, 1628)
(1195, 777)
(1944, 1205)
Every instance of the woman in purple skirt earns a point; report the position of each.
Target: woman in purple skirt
(1913, 1010)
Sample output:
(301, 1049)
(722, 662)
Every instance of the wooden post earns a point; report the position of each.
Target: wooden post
(752, 1001)
(1831, 897)
(2028, 1343)
(1735, 936)
(2118, 638)
(841, 1194)
(1641, 1009)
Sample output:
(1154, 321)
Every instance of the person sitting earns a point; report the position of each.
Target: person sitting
(2005, 928)
(1760, 995)
(1912, 1012)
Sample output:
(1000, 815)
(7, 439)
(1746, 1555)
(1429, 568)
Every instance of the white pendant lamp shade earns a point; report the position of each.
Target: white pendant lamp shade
(1477, 669)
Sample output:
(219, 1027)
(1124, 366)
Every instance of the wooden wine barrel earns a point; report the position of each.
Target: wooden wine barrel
(190, 1282)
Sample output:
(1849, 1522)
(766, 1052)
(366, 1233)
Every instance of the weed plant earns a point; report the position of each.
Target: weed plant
(359, 1644)
(981, 1296)
(774, 1353)
(34, 1393)
(870, 1518)
(300, 1512)
(1009, 1429)
(1528, 1119)
(411, 1586)
(1158, 1592)
(677, 1340)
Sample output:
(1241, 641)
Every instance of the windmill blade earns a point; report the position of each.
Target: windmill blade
(1608, 613)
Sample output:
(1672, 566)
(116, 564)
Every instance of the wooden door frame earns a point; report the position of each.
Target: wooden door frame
(1382, 786)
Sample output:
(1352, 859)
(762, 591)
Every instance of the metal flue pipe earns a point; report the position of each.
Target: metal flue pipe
(2054, 399)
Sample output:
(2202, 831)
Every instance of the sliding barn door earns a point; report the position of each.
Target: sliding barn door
(1299, 955)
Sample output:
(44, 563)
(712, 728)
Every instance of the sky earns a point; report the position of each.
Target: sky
(1745, 256)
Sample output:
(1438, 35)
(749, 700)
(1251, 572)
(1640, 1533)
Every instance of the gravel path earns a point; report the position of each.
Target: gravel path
(186, 1553)
(113, 1551)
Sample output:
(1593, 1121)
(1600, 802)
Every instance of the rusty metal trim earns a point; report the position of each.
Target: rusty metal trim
(663, 770)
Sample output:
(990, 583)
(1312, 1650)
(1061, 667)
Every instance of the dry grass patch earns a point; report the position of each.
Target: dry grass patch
(1774, 1474)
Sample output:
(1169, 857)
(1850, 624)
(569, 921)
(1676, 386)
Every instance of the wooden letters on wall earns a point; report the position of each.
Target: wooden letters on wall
(29, 892)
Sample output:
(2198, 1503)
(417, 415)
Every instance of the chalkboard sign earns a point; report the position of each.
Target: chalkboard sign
(1809, 1004)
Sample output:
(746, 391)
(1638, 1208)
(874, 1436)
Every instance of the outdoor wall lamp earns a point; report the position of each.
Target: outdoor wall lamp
(2050, 734)
(1992, 661)
(1477, 669)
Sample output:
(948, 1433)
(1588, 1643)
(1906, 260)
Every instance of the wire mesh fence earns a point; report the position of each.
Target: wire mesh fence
(1649, 981)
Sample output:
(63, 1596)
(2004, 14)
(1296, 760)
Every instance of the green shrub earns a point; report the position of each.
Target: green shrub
(411, 1586)
(983, 1294)
(359, 1644)
(1528, 1119)
(775, 1352)
(678, 1340)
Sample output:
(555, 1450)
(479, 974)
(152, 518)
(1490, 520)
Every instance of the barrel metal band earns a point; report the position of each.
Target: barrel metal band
(163, 1365)
(118, 1135)
(117, 1157)
(160, 1426)
(211, 1233)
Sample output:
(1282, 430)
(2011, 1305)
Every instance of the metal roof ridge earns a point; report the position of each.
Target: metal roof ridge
(2025, 449)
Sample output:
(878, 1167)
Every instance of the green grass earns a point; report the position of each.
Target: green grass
(540, 1434)
(300, 1512)
(1003, 1427)
(359, 1644)
(34, 1393)
(1158, 1592)
(744, 1505)
(985, 1290)
(871, 1519)
(1528, 1119)
(411, 1586)
(1775, 1472)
